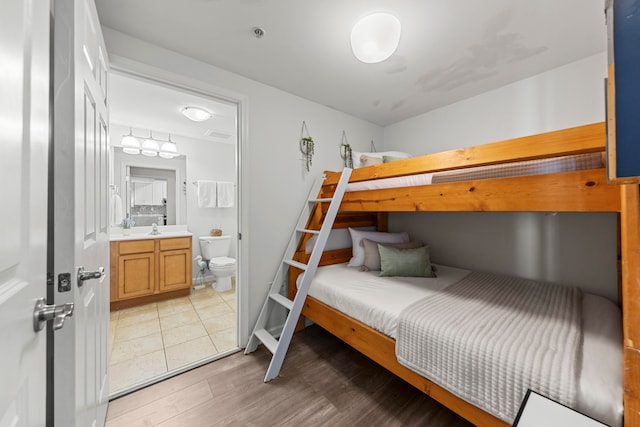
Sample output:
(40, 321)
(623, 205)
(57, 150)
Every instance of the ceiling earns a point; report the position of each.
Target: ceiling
(449, 49)
(151, 107)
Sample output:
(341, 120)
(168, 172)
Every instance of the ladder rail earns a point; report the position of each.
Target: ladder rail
(292, 245)
(295, 306)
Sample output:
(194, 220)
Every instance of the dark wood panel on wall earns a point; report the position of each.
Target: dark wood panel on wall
(623, 90)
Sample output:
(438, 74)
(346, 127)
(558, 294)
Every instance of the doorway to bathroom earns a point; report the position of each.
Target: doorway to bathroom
(174, 183)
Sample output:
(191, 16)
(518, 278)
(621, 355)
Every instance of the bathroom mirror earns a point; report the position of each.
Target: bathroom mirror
(149, 201)
(153, 189)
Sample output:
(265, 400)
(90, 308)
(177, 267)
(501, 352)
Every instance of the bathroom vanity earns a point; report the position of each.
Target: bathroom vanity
(147, 268)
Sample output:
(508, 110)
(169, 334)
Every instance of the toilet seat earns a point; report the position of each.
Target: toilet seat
(222, 261)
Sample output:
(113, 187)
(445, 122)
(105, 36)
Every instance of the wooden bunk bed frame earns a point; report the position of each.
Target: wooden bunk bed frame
(579, 191)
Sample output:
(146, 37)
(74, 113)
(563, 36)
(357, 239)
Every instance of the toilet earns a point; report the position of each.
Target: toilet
(215, 250)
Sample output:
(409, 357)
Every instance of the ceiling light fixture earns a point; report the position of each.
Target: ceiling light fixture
(375, 37)
(196, 114)
(130, 143)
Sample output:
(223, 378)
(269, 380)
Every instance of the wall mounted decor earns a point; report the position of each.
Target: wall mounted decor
(306, 146)
(346, 153)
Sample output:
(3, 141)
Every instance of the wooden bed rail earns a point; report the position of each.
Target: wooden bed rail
(630, 253)
(580, 191)
(577, 140)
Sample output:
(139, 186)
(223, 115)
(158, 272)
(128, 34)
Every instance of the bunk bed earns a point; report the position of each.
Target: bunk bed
(568, 191)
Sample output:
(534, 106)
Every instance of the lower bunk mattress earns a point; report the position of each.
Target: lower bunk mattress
(384, 303)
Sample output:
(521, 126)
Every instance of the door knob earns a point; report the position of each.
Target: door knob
(43, 313)
(87, 275)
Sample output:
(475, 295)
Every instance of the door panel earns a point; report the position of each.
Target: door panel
(80, 213)
(24, 138)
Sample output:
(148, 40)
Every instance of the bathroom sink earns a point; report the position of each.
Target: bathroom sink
(144, 234)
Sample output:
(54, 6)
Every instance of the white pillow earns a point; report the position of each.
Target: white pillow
(357, 258)
(357, 156)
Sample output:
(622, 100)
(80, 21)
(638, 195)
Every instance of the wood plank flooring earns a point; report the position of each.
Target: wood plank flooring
(323, 382)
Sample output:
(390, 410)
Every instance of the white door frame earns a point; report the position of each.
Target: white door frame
(176, 81)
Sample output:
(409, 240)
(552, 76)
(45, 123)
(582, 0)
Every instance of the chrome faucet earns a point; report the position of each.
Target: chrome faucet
(154, 229)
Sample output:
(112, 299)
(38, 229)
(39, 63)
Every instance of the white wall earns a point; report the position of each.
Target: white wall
(273, 183)
(214, 161)
(576, 249)
(568, 96)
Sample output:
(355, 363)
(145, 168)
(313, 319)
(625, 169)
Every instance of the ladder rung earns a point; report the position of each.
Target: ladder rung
(328, 200)
(282, 300)
(267, 339)
(296, 264)
(305, 230)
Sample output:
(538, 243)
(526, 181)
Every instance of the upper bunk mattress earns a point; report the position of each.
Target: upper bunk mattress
(525, 168)
(378, 301)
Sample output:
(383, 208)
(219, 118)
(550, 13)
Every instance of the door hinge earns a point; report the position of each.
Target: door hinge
(239, 236)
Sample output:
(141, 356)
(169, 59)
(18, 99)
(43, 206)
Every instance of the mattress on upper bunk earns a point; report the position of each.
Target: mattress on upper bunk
(524, 168)
(378, 301)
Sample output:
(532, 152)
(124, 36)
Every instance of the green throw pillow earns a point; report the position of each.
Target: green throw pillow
(387, 159)
(405, 262)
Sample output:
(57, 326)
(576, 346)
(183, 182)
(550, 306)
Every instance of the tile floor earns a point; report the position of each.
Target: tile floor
(152, 339)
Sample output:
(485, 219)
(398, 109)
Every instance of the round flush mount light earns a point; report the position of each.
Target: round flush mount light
(196, 114)
(375, 37)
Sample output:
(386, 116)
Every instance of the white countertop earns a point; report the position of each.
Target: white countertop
(142, 233)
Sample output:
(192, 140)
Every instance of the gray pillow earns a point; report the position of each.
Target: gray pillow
(405, 262)
(372, 255)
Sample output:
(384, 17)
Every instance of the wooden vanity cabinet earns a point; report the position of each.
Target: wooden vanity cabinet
(149, 270)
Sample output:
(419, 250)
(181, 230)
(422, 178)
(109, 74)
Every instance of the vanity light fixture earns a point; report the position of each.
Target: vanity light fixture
(196, 114)
(168, 150)
(150, 147)
(130, 144)
(375, 37)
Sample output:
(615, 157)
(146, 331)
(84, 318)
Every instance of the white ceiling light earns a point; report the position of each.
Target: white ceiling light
(196, 114)
(375, 37)
(168, 149)
(130, 143)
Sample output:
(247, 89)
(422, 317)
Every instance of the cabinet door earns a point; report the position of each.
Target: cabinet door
(136, 275)
(175, 269)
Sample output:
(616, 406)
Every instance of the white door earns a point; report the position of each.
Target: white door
(24, 134)
(81, 232)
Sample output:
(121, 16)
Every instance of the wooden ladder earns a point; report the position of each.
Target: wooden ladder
(279, 346)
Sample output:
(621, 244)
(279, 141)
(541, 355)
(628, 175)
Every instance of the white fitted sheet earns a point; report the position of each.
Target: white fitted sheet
(377, 301)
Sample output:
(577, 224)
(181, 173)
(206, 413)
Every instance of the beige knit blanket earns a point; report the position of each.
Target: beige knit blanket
(489, 338)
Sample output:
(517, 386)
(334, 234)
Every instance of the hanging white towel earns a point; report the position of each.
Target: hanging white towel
(206, 194)
(225, 194)
(117, 211)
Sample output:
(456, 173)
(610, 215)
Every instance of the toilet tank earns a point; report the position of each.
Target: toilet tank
(214, 246)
